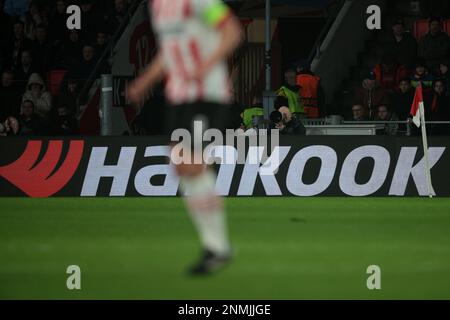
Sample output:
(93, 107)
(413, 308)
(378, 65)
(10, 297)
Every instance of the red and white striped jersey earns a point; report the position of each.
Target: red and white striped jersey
(187, 32)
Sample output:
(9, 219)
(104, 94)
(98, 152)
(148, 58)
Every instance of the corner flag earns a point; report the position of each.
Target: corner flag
(417, 107)
(418, 113)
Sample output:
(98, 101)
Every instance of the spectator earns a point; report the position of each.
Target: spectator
(99, 48)
(388, 72)
(30, 123)
(90, 20)
(402, 99)
(10, 127)
(422, 75)
(16, 8)
(25, 69)
(68, 97)
(57, 26)
(437, 108)
(83, 69)
(283, 120)
(444, 75)
(118, 15)
(311, 93)
(359, 113)
(437, 103)
(72, 49)
(9, 96)
(402, 45)
(42, 50)
(45, 10)
(19, 43)
(435, 45)
(37, 93)
(64, 123)
(101, 41)
(370, 95)
(290, 91)
(33, 18)
(385, 114)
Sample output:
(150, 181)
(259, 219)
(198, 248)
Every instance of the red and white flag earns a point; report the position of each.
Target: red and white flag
(417, 107)
(418, 113)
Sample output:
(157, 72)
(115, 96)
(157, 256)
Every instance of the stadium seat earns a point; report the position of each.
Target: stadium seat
(54, 79)
(447, 26)
(420, 28)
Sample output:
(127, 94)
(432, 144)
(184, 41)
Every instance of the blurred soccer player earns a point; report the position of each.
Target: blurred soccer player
(195, 39)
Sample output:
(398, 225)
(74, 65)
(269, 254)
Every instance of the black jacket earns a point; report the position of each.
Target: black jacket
(401, 103)
(434, 48)
(404, 51)
(30, 126)
(442, 108)
(9, 102)
(294, 126)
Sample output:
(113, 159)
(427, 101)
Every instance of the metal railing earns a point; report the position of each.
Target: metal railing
(107, 53)
(407, 128)
(392, 122)
(332, 12)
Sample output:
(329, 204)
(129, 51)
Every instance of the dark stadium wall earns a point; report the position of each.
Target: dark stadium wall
(297, 37)
(310, 166)
(345, 39)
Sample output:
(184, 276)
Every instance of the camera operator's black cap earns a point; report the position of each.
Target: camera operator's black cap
(281, 101)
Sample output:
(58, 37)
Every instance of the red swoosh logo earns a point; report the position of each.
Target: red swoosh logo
(36, 180)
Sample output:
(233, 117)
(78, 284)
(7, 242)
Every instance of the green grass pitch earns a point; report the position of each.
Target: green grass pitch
(286, 248)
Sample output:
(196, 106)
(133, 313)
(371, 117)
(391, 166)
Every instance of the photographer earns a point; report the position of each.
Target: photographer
(283, 120)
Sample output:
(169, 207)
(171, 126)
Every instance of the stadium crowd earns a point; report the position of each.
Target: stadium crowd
(387, 92)
(36, 48)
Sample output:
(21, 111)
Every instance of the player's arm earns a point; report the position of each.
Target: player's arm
(219, 16)
(139, 88)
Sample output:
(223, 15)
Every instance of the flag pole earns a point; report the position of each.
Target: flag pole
(425, 149)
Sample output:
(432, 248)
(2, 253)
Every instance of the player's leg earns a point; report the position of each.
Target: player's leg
(207, 212)
(205, 207)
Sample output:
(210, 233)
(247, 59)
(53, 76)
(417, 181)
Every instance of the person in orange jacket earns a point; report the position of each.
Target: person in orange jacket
(311, 93)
